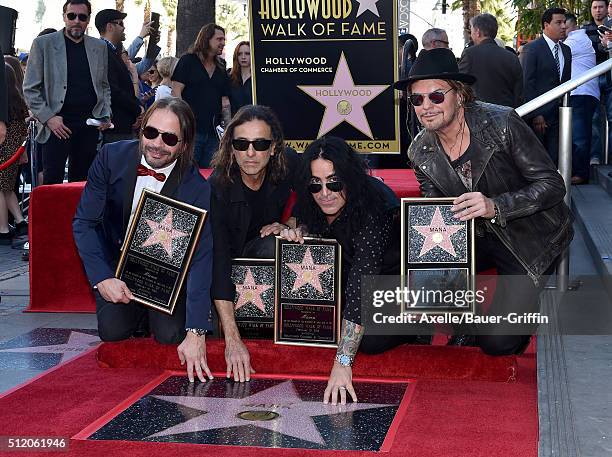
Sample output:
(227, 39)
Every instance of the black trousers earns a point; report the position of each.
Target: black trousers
(118, 321)
(515, 292)
(80, 148)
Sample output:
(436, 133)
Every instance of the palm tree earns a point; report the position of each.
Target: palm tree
(530, 13)
(191, 15)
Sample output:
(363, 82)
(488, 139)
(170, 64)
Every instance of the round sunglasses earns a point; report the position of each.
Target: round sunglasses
(436, 97)
(150, 133)
(334, 186)
(82, 17)
(258, 145)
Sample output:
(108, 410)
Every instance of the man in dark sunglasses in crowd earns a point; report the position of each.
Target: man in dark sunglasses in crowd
(489, 159)
(125, 104)
(65, 84)
(161, 161)
(252, 180)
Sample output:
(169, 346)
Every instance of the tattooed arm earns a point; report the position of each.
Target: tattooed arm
(341, 377)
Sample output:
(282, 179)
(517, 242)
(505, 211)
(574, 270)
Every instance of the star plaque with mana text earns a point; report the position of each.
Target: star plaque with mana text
(438, 259)
(307, 298)
(254, 302)
(158, 248)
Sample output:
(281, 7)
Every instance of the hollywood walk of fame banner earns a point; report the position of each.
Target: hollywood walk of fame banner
(438, 263)
(307, 298)
(254, 302)
(327, 67)
(157, 251)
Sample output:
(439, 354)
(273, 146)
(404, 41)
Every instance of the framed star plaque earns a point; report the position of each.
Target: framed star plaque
(438, 263)
(158, 248)
(254, 302)
(307, 296)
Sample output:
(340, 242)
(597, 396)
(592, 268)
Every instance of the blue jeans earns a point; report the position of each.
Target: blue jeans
(597, 143)
(206, 144)
(583, 107)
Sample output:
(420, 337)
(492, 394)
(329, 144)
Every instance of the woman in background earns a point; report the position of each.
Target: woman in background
(165, 68)
(16, 133)
(241, 93)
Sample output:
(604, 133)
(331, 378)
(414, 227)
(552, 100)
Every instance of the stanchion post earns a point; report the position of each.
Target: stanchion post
(565, 169)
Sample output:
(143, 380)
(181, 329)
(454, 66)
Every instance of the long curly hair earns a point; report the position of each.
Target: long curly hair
(224, 163)
(201, 45)
(363, 198)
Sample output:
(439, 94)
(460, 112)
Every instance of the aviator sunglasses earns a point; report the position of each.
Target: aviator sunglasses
(436, 97)
(82, 17)
(334, 186)
(258, 145)
(150, 133)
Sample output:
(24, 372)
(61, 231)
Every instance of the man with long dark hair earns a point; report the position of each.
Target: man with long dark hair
(500, 175)
(200, 78)
(161, 161)
(252, 181)
(336, 198)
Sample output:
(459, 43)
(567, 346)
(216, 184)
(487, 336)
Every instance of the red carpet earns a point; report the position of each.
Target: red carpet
(422, 362)
(57, 278)
(445, 417)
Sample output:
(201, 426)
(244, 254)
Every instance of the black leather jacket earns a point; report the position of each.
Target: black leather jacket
(534, 224)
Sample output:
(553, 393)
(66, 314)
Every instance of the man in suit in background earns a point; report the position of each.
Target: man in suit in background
(499, 76)
(547, 63)
(3, 104)
(65, 84)
(161, 161)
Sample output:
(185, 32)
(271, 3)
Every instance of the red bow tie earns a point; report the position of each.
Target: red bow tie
(144, 171)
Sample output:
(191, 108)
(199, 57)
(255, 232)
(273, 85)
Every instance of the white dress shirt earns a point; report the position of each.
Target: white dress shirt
(148, 182)
(551, 45)
(583, 59)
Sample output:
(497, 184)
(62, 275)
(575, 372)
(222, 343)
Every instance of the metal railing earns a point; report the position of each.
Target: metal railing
(565, 141)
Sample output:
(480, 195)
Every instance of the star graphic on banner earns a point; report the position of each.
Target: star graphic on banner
(163, 233)
(365, 5)
(308, 272)
(343, 100)
(249, 292)
(77, 343)
(294, 415)
(437, 233)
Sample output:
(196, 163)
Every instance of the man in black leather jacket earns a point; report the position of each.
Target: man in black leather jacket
(501, 176)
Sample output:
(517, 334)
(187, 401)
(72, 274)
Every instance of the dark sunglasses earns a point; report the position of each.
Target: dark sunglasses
(151, 71)
(82, 17)
(436, 97)
(334, 186)
(258, 145)
(119, 23)
(150, 133)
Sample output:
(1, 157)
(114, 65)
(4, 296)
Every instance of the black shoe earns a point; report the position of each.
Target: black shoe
(462, 340)
(21, 229)
(7, 238)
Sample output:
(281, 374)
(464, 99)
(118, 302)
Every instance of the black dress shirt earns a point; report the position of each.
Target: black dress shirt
(372, 248)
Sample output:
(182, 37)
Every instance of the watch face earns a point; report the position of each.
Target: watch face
(344, 360)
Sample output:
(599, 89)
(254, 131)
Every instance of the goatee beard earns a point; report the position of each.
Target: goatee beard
(75, 34)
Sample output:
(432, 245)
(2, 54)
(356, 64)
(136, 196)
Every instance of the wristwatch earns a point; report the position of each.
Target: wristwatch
(344, 360)
(197, 331)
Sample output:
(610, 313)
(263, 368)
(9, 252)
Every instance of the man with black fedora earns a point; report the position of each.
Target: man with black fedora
(486, 157)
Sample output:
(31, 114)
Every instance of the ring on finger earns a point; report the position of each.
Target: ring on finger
(342, 388)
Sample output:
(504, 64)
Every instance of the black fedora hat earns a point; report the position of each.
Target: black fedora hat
(438, 63)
